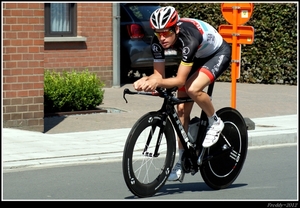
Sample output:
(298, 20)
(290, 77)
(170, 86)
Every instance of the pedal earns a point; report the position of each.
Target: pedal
(200, 158)
(193, 172)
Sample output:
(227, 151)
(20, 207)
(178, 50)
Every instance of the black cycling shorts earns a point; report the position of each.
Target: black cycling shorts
(215, 64)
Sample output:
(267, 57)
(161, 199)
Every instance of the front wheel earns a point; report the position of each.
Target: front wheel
(221, 171)
(149, 154)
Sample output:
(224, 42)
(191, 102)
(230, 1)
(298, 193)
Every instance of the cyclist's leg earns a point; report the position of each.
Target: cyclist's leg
(184, 111)
(195, 86)
(208, 70)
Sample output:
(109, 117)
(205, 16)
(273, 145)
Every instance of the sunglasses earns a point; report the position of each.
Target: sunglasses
(164, 33)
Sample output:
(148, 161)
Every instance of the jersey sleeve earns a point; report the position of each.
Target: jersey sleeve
(188, 52)
(158, 52)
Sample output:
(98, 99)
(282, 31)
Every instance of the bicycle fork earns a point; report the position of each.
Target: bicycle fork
(189, 158)
(160, 134)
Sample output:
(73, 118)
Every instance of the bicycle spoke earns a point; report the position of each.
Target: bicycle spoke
(224, 137)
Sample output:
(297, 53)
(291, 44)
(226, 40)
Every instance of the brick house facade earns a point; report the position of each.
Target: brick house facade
(27, 53)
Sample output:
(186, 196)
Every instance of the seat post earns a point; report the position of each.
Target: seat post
(210, 89)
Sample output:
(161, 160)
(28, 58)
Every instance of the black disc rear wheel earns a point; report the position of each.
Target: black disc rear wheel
(221, 171)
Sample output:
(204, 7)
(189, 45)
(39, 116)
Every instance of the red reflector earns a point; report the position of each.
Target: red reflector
(135, 31)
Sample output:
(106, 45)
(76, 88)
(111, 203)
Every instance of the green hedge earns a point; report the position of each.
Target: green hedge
(72, 91)
(272, 58)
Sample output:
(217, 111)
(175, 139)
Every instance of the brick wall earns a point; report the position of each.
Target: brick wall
(23, 65)
(94, 21)
(26, 55)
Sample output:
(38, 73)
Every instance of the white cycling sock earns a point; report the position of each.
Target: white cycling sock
(180, 151)
(212, 119)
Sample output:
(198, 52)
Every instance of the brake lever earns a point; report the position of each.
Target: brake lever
(125, 91)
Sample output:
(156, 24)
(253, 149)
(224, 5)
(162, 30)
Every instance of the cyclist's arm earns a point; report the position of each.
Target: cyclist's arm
(159, 70)
(179, 80)
(150, 83)
(157, 78)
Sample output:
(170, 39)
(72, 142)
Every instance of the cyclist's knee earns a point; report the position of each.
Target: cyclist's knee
(195, 87)
(194, 92)
(182, 114)
(180, 110)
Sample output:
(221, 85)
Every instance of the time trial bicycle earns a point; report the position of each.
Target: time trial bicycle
(150, 148)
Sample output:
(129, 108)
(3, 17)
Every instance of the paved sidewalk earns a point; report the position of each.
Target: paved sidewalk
(101, 137)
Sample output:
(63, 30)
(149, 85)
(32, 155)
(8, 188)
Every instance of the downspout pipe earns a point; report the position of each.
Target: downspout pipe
(116, 45)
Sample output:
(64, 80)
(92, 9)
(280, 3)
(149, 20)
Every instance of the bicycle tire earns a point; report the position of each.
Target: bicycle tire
(221, 172)
(144, 173)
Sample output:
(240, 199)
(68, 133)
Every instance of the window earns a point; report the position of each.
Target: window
(141, 11)
(60, 20)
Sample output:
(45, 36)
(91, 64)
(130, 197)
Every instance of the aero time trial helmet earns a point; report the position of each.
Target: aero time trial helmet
(164, 17)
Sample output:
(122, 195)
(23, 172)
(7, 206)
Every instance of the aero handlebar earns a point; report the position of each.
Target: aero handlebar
(127, 91)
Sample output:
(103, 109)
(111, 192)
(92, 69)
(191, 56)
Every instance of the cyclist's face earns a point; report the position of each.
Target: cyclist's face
(166, 37)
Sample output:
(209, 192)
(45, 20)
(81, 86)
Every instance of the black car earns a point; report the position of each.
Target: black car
(136, 35)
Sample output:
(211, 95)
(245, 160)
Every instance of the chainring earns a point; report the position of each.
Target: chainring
(187, 164)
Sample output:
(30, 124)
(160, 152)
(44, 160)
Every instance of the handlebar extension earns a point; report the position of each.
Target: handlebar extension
(162, 92)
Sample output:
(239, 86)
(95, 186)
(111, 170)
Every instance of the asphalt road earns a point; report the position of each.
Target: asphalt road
(269, 173)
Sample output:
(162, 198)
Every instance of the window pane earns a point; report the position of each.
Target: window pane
(60, 17)
(141, 12)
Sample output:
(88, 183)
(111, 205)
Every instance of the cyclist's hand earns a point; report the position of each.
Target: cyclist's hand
(137, 85)
(145, 84)
(150, 85)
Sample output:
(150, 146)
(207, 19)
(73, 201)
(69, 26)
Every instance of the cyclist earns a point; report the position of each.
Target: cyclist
(205, 56)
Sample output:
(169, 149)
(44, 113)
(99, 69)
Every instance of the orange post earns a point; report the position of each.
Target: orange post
(234, 58)
(236, 14)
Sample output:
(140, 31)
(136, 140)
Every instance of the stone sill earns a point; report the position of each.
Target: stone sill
(65, 39)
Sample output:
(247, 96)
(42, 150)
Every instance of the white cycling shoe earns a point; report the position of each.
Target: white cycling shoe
(177, 173)
(213, 133)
